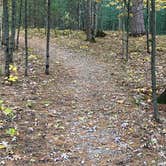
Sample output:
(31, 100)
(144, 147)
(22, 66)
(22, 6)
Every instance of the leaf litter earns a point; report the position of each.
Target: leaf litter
(91, 110)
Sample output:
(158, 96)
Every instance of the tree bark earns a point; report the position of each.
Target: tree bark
(89, 28)
(26, 40)
(19, 25)
(137, 20)
(48, 38)
(6, 37)
(147, 26)
(13, 31)
(1, 16)
(153, 61)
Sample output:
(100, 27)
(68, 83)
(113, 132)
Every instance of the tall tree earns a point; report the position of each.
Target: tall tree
(6, 36)
(124, 44)
(125, 28)
(147, 26)
(153, 60)
(89, 26)
(13, 30)
(137, 20)
(48, 37)
(1, 15)
(26, 39)
(19, 24)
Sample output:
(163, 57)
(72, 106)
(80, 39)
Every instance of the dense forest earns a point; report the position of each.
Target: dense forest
(71, 14)
(82, 82)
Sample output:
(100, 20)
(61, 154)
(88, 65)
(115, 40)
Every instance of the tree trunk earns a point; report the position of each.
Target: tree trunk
(124, 34)
(137, 20)
(153, 61)
(125, 29)
(48, 37)
(79, 15)
(1, 15)
(13, 31)
(147, 26)
(89, 28)
(6, 37)
(19, 25)
(26, 40)
(127, 5)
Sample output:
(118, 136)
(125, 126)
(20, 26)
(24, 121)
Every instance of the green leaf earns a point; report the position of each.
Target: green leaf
(1, 102)
(8, 112)
(11, 131)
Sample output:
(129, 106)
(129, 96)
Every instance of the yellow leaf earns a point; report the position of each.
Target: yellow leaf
(2, 146)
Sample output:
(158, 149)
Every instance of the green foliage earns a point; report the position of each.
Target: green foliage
(64, 14)
(8, 112)
(12, 132)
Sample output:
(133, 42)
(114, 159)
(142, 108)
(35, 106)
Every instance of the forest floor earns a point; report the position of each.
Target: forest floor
(94, 108)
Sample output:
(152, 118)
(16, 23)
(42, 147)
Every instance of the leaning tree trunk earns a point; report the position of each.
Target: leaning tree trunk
(137, 20)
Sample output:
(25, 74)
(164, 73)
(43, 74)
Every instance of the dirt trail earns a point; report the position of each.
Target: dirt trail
(94, 115)
(89, 109)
